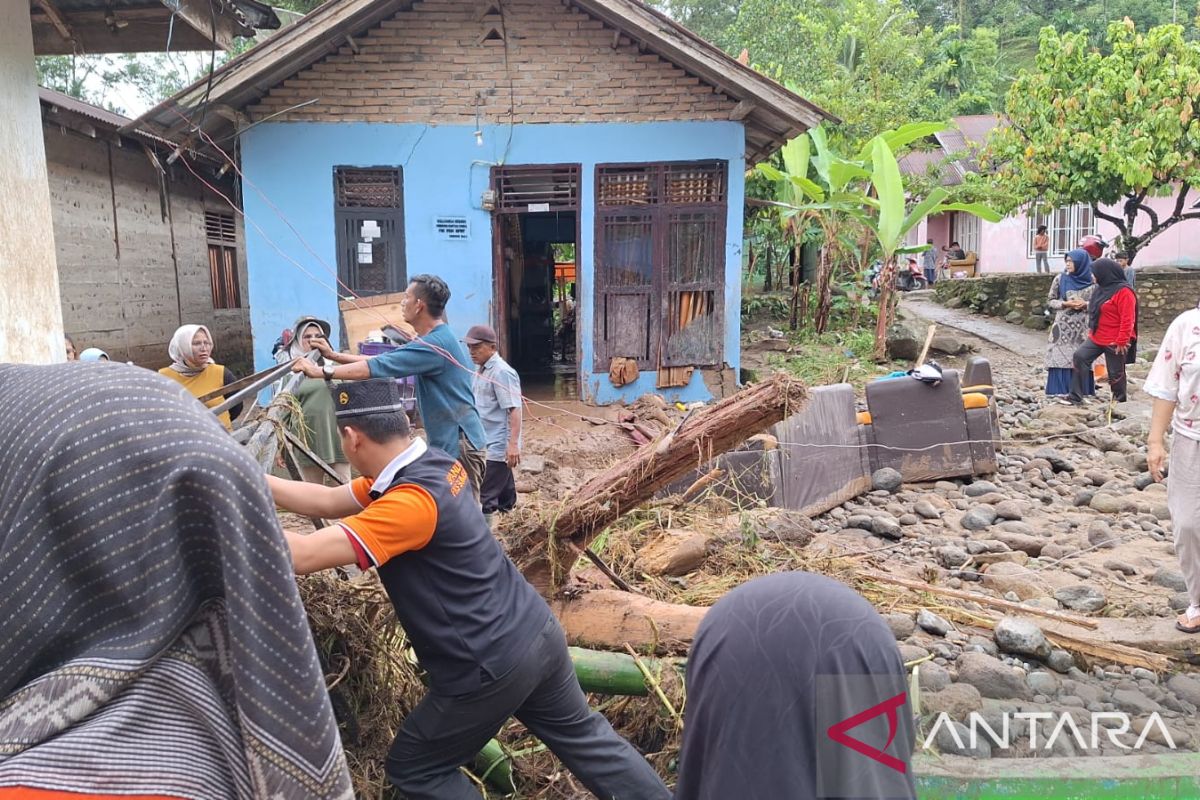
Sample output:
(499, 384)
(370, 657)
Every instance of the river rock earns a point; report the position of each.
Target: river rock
(932, 623)
(957, 700)
(1021, 637)
(932, 677)
(1107, 503)
(1081, 597)
(952, 557)
(886, 526)
(958, 742)
(1134, 701)
(926, 509)
(1007, 577)
(1186, 688)
(978, 518)
(1024, 543)
(886, 479)
(1061, 661)
(1101, 535)
(1011, 509)
(980, 488)
(901, 625)
(1056, 460)
(992, 677)
(1169, 579)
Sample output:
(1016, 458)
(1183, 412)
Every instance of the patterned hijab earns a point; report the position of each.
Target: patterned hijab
(154, 640)
(180, 350)
(1078, 280)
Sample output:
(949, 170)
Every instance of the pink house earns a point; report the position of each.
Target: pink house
(1007, 246)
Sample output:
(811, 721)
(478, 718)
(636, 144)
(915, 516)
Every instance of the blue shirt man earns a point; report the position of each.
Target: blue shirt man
(443, 371)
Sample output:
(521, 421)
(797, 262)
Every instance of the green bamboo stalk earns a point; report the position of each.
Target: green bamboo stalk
(614, 673)
(494, 766)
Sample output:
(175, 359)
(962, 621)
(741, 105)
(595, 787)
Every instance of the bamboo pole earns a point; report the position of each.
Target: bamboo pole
(984, 600)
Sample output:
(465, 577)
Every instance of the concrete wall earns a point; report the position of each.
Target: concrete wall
(31, 326)
(1021, 299)
(288, 194)
(128, 277)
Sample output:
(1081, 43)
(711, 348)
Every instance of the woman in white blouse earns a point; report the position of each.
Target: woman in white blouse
(1174, 383)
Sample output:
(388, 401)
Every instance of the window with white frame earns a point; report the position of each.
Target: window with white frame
(964, 229)
(1065, 226)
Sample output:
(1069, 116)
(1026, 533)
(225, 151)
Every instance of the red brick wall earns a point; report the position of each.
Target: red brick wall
(426, 65)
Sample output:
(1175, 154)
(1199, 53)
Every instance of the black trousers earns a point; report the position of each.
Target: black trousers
(1088, 352)
(443, 733)
(499, 490)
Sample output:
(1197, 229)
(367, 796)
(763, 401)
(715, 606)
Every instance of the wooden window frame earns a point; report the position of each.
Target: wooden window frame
(653, 204)
(220, 233)
(347, 216)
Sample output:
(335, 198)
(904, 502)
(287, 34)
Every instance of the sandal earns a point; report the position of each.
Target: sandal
(1182, 623)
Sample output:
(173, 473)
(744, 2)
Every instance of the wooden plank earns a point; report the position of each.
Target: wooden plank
(366, 314)
(742, 110)
(982, 599)
(56, 19)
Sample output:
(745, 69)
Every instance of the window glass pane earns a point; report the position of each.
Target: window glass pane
(692, 248)
(627, 251)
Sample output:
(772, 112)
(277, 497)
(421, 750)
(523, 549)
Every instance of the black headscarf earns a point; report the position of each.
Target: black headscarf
(154, 640)
(1110, 279)
(775, 664)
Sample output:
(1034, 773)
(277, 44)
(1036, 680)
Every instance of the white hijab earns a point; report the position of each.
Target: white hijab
(180, 350)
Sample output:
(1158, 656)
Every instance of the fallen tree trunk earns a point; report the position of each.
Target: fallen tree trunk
(627, 484)
(609, 619)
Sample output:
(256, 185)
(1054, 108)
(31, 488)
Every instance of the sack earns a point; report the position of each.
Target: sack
(1100, 370)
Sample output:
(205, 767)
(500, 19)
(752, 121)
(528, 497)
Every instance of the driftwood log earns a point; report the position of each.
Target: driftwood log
(610, 619)
(703, 434)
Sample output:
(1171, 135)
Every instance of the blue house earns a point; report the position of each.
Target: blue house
(574, 169)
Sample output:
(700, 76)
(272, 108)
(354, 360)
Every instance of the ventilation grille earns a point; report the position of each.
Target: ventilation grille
(538, 188)
(367, 188)
(452, 229)
(220, 228)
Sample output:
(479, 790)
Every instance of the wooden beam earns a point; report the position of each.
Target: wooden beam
(199, 14)
(742, 110)
(56, 19)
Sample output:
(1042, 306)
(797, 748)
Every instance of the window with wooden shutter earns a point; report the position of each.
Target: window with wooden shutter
(660, 263)
(220, 232)
(369, 220)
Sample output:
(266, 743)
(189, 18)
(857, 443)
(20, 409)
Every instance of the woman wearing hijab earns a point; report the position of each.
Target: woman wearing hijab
(1112, 326)
(795, 690)
(1174, 383)
(192, 366)
(315, 423)
(1068, 297)
(154, 641)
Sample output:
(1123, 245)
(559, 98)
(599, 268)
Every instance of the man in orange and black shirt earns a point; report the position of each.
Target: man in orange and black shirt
(486, 637)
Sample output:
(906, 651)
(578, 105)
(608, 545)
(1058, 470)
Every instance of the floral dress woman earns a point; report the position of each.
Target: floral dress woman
(1068, 298)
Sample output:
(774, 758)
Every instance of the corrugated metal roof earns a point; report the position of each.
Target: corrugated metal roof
(920, 163)
(111, 120)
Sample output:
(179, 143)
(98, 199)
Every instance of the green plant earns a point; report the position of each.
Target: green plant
(1102, 129)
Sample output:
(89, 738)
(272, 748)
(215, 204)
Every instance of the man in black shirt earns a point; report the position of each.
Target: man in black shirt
(488, 640)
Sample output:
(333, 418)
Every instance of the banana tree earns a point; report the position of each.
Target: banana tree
(868, 191)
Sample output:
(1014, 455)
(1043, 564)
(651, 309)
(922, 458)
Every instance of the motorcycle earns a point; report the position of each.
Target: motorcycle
(910, 277)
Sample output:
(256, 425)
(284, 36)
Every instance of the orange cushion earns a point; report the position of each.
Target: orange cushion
(975, 400)
(864, 418)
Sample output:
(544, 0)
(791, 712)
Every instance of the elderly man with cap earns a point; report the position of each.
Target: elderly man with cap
(437, 358)
(486, 637)
(498, 400)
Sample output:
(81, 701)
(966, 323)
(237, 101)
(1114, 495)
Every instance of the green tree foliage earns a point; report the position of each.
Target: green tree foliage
(1104, 128)
(866, 61)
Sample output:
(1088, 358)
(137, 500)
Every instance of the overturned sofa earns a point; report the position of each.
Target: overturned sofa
(823, 456)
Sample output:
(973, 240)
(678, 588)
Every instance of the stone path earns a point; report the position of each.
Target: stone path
(1013, 338)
